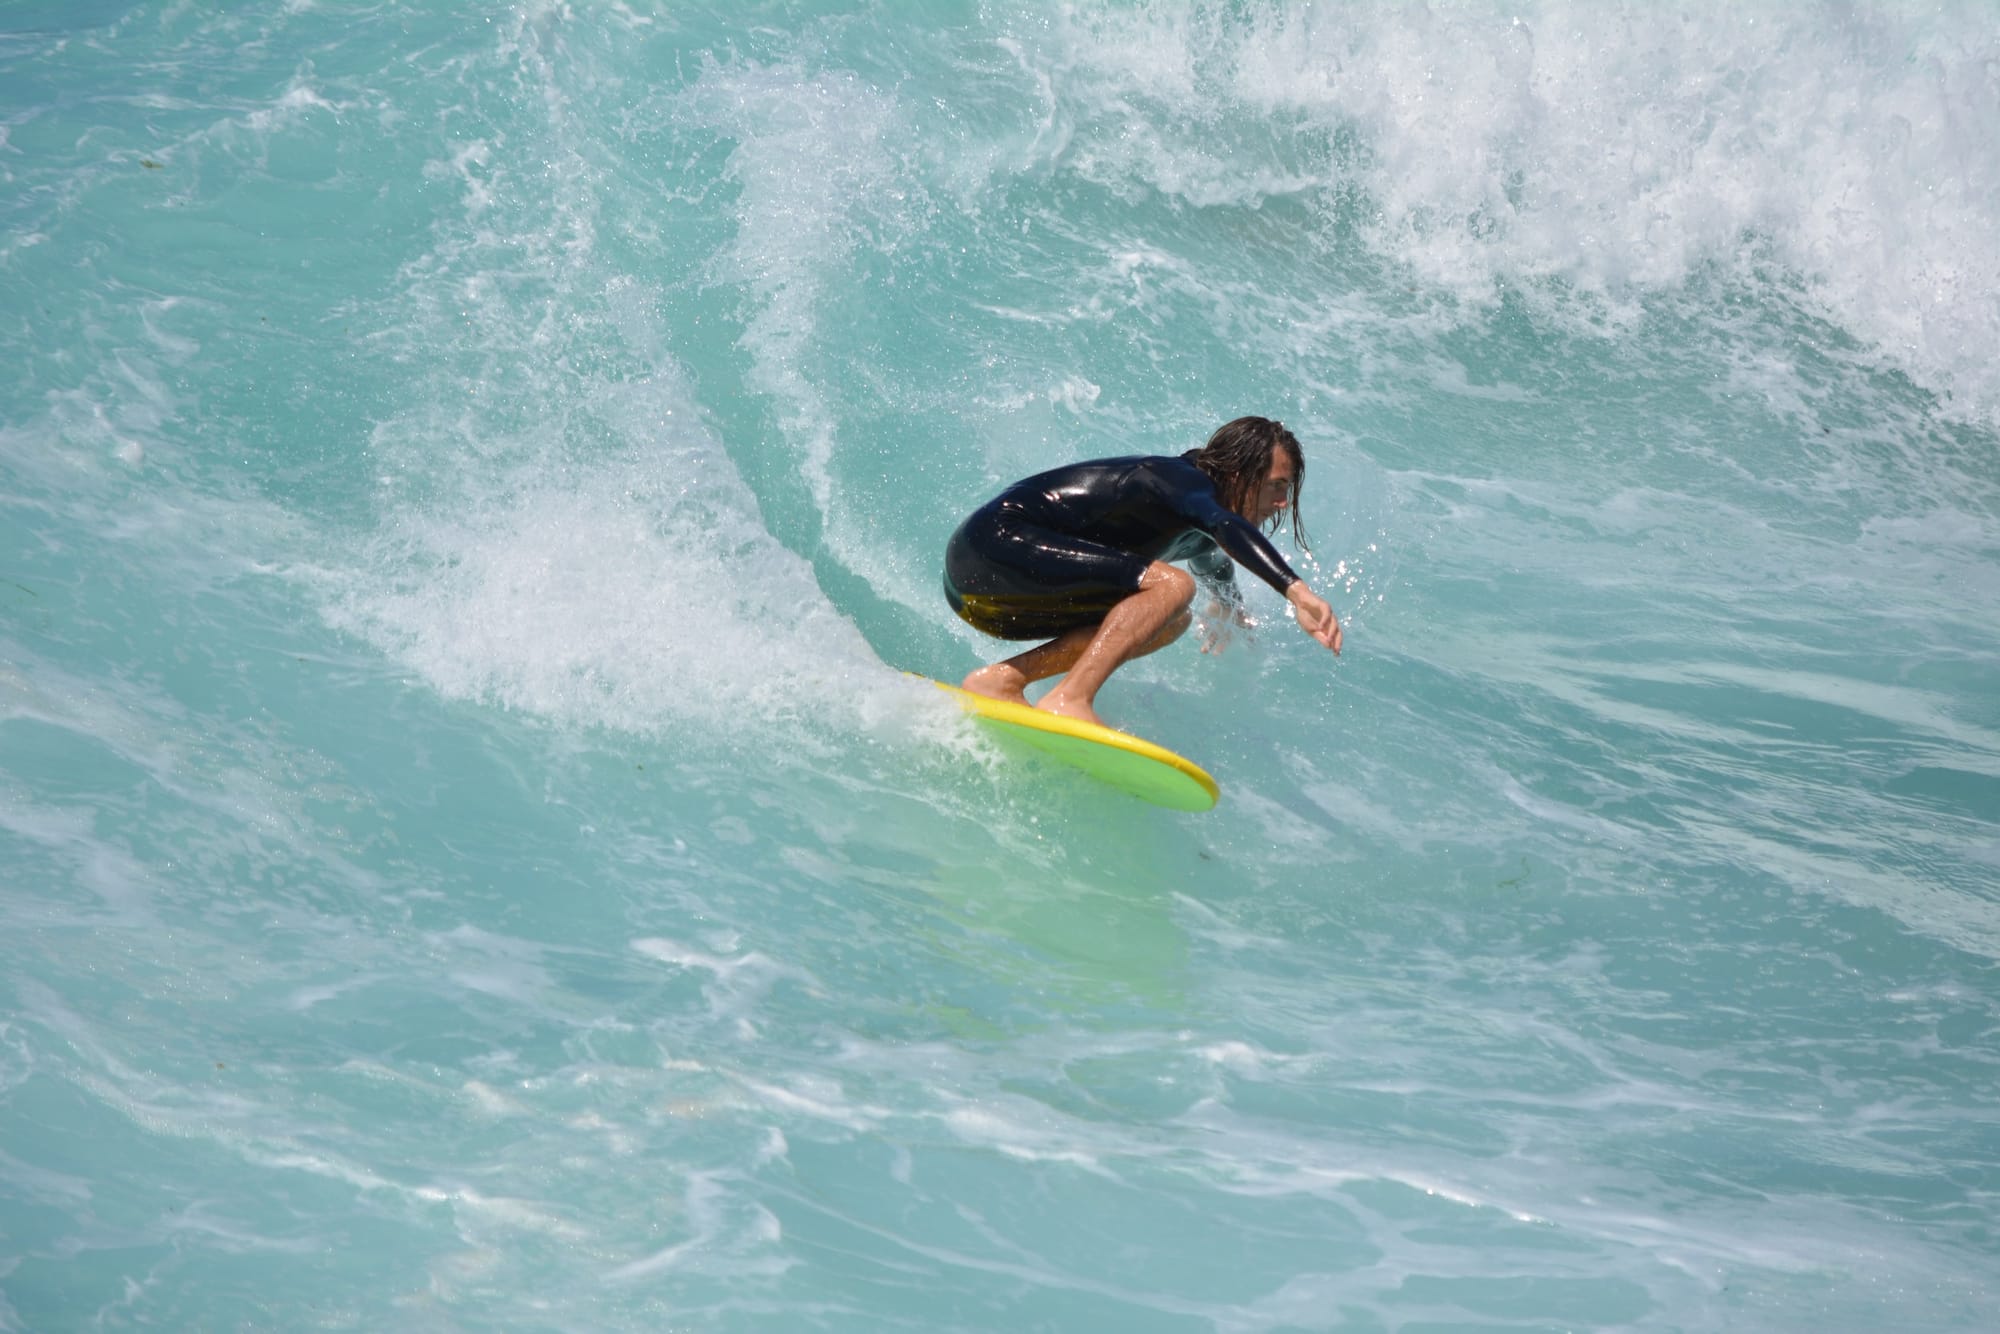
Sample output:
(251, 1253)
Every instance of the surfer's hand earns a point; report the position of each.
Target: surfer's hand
(1314, 616)
(1218, 624)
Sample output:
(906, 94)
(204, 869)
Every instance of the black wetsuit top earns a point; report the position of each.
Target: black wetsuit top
(1063, 547)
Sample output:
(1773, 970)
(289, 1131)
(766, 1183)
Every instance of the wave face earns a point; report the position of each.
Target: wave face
(472, 481)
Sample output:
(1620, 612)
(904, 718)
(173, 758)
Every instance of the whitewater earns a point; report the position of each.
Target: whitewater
(473, 480)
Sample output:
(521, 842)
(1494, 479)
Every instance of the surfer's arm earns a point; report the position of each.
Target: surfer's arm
(1314, 616)
(1252, 550)
(1236, 536)
(1195, 499)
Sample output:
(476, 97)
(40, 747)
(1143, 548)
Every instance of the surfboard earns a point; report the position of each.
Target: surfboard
(1129, 763)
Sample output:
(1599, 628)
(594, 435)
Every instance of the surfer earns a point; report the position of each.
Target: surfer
(1079, 557)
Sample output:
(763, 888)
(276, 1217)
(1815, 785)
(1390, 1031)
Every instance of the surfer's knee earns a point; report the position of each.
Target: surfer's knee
(1180, 583)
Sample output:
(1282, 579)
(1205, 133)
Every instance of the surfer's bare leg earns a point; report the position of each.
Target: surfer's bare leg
(1149, 620)
(1010, 679)
(1007, 680)
(1161, 583)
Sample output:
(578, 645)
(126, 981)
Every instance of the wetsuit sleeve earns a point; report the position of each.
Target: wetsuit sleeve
(1237, 536)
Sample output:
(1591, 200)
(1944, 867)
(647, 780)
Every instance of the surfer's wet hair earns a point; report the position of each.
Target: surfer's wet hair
(1238, 457)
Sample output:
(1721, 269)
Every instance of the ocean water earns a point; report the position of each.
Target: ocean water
(472, 481)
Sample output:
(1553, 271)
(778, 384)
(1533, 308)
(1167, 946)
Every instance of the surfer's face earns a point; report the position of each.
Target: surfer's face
(1269, 497)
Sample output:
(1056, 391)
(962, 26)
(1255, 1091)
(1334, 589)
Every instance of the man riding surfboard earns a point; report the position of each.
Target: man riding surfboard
(1079, 557)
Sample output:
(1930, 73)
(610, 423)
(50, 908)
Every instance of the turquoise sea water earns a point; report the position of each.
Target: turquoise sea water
(473, 476)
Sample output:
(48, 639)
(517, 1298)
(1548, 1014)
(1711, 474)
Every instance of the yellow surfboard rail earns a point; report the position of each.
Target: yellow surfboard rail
(1131, 763)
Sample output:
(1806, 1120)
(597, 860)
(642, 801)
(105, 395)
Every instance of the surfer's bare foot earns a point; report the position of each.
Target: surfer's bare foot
(998, 681)
(1054, 702)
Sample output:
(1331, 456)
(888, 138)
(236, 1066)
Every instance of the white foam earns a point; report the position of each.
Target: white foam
(730, 1236)
(816, 1099)
(1604, 151)
(476, 1208)
(1232, 1054)
(636, 591)
(573, 543)
(683, 956)
(816, 175)
(988, 1124)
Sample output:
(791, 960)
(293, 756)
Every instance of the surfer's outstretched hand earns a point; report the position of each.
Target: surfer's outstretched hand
(1314, 616)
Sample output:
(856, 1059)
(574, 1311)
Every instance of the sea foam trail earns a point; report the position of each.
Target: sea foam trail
(634, 592)
(561, 528)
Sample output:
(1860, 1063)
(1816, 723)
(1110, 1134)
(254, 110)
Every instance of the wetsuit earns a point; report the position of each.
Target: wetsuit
(1064, 547)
